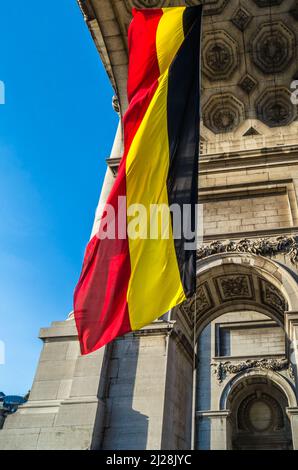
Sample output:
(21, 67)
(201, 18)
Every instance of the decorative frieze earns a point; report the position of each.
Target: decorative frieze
(263, 247)
(223, 369)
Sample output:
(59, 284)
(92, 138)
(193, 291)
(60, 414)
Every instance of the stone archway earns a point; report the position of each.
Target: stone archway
(231, 283)
(257, 403)
(241, 281)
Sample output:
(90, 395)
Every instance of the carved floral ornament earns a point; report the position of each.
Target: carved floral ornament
(263, 247)
(222, 113)
(223, 369)
(273, 47)
(219, 55)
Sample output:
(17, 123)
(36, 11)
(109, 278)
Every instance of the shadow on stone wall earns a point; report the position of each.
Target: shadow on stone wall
(123, 427)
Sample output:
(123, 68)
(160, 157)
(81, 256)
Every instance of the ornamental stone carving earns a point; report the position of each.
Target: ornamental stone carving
(234, 287)
(272, 297)
(241, 18)
(273, 47)
(223, 113)
(223, 369)
(201, 302)
(248, 421)
(247, 83)
(275, 108)
(220, 55)
(263, 247)
(115, 104)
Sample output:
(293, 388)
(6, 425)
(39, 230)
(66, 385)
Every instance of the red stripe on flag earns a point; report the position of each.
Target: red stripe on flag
(100, 298)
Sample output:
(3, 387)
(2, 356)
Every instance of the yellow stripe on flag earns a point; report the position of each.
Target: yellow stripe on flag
(169, 36)
(153, 262)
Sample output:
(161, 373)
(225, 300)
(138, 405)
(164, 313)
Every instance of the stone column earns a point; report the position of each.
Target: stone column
(216, 424)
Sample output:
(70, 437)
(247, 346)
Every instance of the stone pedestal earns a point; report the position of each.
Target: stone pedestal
(65, 409)
(134, 394)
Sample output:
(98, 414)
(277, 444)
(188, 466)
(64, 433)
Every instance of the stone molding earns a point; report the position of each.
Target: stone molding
(263, 247)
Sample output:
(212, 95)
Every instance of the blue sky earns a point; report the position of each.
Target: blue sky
(56, 130)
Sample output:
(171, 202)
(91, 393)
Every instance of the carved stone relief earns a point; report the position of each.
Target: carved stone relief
(272, 297)
(275, 108)
(241, 18)
(249, 39)
(202, 302)
(263, 246)
(223, 369)
(247, 83)
(223, 113)
(275, 419)
(273, 47)
(234, 287)
(219, 55)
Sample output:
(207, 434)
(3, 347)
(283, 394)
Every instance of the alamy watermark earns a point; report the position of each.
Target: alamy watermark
(152, 222)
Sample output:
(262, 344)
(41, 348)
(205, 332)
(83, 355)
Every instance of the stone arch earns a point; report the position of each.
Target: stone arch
(279, 380)
(241, 281)
(257, 403)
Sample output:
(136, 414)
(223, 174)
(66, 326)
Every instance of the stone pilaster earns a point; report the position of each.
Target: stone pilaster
(293, 416)
(216, 425)
(291, 328)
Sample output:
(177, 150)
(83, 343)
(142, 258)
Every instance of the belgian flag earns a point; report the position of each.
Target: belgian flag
(127, 282)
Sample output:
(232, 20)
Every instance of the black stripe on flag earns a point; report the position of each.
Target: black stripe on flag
(183, 108)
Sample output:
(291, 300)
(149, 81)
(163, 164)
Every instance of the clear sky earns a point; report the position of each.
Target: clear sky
(56, 130)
